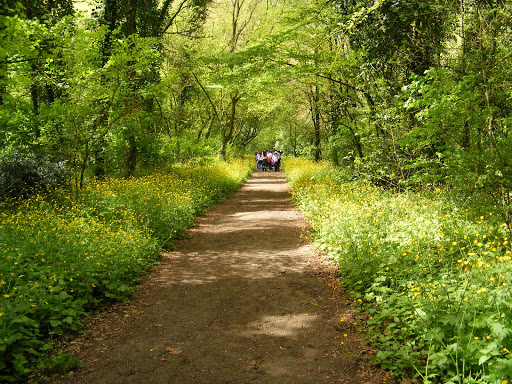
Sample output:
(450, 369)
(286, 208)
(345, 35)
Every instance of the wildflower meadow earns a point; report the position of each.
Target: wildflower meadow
(60, 257)
(432, 272)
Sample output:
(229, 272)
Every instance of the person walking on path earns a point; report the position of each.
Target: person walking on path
(257, 158)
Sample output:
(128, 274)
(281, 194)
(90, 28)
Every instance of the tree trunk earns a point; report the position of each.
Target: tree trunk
(131, 156)
(357, 142)
(111, 22)
(314, 101)
(131, 152)
(334, 122)
(3, 81)
(34, 96)
(230, 129)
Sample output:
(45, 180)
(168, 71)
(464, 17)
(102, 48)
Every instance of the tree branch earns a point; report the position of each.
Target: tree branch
(173, 17)
(209, 99)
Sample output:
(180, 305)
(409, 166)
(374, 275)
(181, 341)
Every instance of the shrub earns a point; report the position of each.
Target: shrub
(23, 173)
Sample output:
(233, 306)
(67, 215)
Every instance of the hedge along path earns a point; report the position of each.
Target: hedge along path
(243, 299)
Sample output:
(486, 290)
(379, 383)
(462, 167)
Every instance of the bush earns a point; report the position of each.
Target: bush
(23, 173)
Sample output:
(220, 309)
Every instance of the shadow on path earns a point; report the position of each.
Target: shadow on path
(244, 299)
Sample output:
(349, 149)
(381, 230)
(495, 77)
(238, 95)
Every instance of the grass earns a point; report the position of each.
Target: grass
(432, 272)
(60, 258)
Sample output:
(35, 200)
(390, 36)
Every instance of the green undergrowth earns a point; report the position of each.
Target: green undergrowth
(432, 273)
(60, 259)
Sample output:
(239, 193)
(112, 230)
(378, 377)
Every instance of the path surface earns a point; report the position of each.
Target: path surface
(244, 299)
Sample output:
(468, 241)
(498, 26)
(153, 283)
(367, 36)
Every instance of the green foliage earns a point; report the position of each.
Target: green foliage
(57, 263)
(456, 126)
(434, 272)
(410, 32)
(60, 259)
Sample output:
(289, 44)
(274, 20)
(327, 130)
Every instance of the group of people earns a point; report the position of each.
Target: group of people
(268, 160)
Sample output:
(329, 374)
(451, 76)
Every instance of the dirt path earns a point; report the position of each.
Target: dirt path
(244, 299)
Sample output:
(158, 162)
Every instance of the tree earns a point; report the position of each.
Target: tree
(147, 19)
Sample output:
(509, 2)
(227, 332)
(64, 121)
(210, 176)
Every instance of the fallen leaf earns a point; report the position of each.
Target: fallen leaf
(174, 351)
